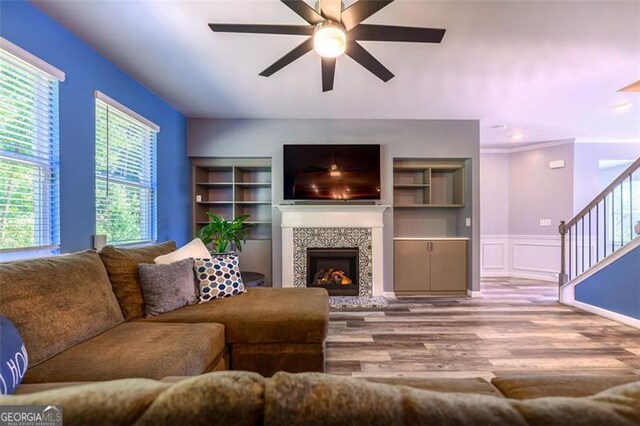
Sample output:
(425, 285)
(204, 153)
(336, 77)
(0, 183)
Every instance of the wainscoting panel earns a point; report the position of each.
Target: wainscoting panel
(522, 256)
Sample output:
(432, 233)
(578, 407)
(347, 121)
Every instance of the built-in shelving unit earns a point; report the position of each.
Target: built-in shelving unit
(419, 184)
(430, 248)
(231, 187)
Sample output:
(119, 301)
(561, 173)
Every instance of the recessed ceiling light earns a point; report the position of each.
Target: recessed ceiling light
(517, 136)
(622, 107)
(500, 127)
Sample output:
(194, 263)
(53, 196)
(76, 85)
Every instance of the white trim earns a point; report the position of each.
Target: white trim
(31, 59)
(501, 260)
(430, 239)
(473, 294)
(123, 109)
(527, 147)
(605, 262)
(533, 277)
(608, 141)
(633, 322)
(28, 254)
(389, 295)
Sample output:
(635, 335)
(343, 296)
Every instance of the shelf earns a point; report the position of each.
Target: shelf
(214, 202)
(253, 184)
(255, 222)
(216, 184)
(253, 202)
(425, 206)
(412, 186)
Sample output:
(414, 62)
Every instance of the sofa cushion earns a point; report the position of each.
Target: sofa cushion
(218, 277)
(167, 287)
(224, 398)
(194, 249)
(136, 349)
(470, 385)
(538, 386)
(58, 302)
(13, 357)
(311, 398)
(241, 398)
(263, 315)
(122, 267)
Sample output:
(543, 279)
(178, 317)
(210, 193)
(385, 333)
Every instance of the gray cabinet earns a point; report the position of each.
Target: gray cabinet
(430, 267)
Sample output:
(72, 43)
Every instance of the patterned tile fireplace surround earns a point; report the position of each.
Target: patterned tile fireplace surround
(333, 226)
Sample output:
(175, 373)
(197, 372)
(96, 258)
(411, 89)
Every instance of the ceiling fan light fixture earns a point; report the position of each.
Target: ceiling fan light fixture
(329, 39)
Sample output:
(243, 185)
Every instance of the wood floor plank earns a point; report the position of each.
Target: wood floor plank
(515, 327)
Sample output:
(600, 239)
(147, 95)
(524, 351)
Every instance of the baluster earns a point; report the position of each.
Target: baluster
(621, 217)
(576, 253)
(605, 225)
(597, 233)
(570, 260)
(613, 221)
(630, 207)
(582, 244)
(589, 238)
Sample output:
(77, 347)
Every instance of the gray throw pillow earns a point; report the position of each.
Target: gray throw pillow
(167, 287)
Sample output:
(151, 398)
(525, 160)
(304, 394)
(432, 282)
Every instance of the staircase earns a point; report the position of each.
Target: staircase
(600, 252)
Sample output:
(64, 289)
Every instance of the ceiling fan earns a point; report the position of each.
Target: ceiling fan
(332, 31)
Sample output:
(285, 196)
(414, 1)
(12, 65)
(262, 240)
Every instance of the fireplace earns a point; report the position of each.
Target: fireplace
(333, 226)
(335, 269)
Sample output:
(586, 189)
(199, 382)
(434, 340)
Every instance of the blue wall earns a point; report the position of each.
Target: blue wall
(86, 70)
(616, 287)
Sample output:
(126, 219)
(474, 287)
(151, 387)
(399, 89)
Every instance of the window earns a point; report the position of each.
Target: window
(125, 174)
(29, 173)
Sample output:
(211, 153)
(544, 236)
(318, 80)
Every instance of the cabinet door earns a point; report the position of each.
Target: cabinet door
(449, 266)
(411, 266)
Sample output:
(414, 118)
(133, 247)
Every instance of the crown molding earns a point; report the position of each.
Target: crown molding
(528, 147)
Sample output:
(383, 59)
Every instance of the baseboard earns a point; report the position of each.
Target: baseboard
(633, 322)
(389, 294)
(537, 277)
(472, 293)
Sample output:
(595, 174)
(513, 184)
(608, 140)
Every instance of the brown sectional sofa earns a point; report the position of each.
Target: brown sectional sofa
(243, 398)
(80, 316)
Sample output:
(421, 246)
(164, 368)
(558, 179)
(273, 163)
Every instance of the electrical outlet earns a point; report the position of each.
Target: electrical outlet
(468, 221)
(545, 222)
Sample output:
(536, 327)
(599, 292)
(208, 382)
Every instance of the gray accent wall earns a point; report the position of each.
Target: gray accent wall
(538, 192)
(398, 138)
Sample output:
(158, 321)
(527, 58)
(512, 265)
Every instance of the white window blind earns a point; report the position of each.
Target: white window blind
(29, 212)
(125, 175)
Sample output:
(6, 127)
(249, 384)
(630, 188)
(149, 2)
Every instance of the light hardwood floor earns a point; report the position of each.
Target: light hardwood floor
(517, 326)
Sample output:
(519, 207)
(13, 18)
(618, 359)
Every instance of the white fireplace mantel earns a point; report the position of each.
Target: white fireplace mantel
(333, 216)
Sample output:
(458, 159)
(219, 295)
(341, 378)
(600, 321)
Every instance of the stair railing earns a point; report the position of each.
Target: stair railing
(605, 225)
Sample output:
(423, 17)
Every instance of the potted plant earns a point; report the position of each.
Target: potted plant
(224, 235)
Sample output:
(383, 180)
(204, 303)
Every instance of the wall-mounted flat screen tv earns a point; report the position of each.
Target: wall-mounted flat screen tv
(331, 172)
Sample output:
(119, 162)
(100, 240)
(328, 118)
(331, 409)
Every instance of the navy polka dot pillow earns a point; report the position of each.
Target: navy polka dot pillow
(218, 277)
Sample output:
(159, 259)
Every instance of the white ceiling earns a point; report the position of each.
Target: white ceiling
(547, 69)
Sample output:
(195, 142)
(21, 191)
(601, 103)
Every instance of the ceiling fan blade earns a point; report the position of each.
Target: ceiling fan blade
(331, 9)
(328, 73)
(366, 59)
(305, 11)
(394, 33)
(294, 54)
(262, 29)
(360, 11)
(633, 87)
